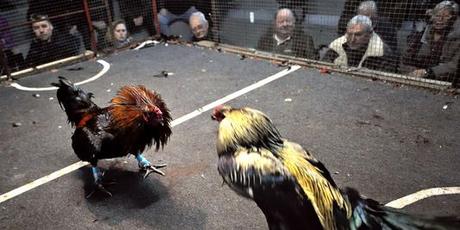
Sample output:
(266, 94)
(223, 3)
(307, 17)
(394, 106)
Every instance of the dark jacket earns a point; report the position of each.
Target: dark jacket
(377, 56)
(421, 55)
(61, 45)
(131, 9)
(299, 45)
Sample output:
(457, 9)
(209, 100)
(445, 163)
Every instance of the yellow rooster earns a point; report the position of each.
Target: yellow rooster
(291, 187)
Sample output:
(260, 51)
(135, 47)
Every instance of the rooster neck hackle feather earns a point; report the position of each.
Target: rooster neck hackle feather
(129, 108)
(247, 128)
(131, 103)
(321, 193)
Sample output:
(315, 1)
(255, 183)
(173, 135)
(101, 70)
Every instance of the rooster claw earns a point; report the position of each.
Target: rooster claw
(153, 168)
(100, 188)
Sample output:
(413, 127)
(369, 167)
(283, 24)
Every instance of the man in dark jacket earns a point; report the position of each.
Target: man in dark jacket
(137, 15)
(435, 52)
(285, 38)
(361, 47)
(48, 46)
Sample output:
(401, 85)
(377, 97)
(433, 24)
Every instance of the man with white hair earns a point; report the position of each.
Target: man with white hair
(360, 47)
(435, 52)
(382, 26)
(199, 25)
(187, 12)
(284, 37)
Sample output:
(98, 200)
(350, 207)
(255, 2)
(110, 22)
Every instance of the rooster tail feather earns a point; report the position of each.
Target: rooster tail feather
(369, 214)
(73, 100)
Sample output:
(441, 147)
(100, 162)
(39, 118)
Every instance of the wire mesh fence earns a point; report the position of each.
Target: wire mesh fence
(414, 38)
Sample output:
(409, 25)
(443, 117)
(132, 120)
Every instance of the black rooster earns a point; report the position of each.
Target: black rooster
(135, 119)
(291, 187)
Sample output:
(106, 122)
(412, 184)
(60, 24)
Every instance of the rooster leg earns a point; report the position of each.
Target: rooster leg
(146, 166)
(97, 175)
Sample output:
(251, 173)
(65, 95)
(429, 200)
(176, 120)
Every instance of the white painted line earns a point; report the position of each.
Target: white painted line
(43, 180)
(75, 166)
(422, 194)
(235, 95)
(106, 67)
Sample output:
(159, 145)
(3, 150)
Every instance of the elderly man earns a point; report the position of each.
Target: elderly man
(435, 52)
(360, 47)
(187, 12)
(382, 26)
(199, 25)
(285, 38)
(48, 46)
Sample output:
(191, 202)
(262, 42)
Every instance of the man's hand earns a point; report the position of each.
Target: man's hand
(418, 73)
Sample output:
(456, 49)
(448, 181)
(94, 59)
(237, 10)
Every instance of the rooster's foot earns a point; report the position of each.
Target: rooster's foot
(98, 187)
(153, 168)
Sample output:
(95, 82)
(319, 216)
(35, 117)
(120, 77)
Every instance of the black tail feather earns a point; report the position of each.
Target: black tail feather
(369, 214)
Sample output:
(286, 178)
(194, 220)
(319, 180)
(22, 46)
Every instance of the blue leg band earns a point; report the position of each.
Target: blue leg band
(142, 161)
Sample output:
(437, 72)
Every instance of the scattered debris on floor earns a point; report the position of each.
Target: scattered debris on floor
(446, 105)
(163, 73)
(75, 68)
(17, 124)
(421, 139)
(36, 95)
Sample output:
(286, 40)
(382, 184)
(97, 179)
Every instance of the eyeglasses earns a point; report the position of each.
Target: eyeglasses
(357, 34)
(443, 17)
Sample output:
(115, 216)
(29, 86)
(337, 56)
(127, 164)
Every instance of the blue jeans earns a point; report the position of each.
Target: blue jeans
(166, 18)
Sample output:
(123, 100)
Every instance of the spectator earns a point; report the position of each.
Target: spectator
(14, 59)
(118, 35)
(48, 46)
(199, 25)
(67, 17)
(137, 15)
(434, 52)
(382, 26)
(300, 8)
(360, 47)
(284, 37)
(177, 10)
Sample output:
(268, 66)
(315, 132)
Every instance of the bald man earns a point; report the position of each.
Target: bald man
(285, 38)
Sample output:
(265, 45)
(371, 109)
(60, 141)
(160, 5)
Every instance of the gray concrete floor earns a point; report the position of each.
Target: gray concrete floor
(386, 140)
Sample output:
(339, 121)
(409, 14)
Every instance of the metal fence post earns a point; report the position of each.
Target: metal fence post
(90, 26)
(155, 17)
